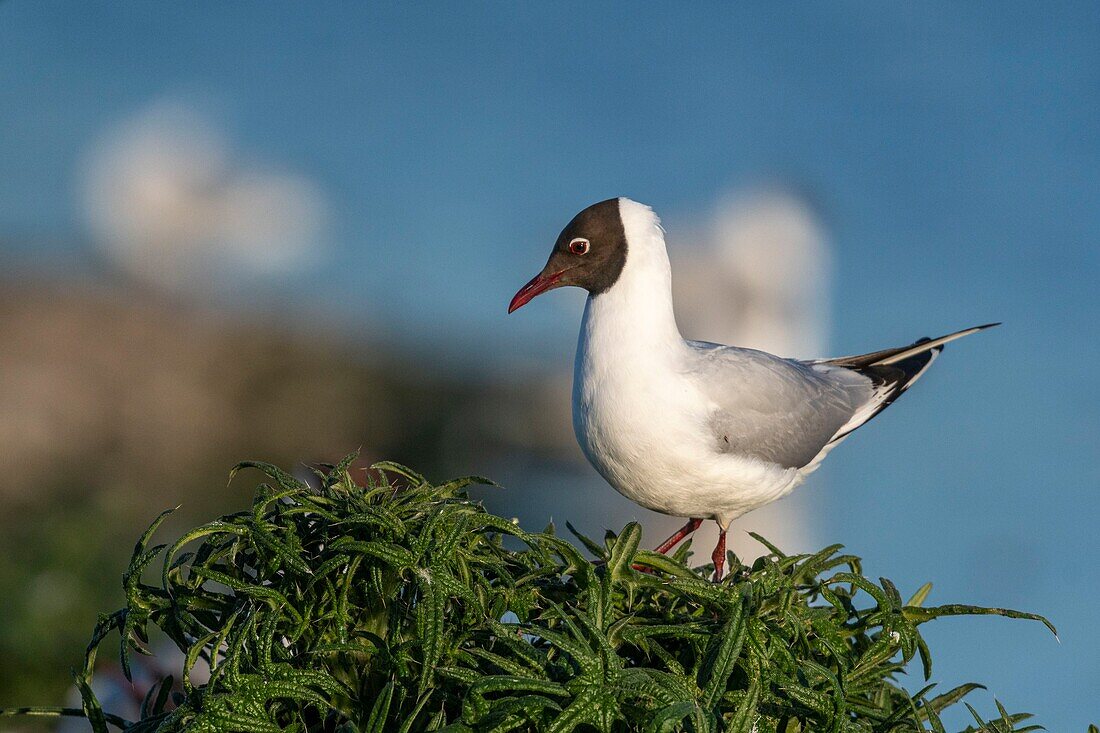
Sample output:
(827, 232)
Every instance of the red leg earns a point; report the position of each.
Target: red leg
(691, 526)
(719, 555)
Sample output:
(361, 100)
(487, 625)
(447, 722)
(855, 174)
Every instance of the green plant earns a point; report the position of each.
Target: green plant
(405, 606)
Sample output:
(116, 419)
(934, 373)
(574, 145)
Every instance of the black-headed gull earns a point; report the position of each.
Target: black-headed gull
(689, 428)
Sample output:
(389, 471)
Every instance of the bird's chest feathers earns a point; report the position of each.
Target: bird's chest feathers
(616, 410)
(630, 404)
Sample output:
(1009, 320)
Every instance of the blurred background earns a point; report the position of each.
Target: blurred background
(284, 231)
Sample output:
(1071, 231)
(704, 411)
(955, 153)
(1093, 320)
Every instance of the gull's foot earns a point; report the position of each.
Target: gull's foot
(719, 555)
(675, 539)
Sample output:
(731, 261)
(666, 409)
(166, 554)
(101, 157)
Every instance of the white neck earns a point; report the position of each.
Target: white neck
(635, 313)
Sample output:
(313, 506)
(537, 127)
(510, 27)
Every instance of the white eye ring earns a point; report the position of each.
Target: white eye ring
(580, 246)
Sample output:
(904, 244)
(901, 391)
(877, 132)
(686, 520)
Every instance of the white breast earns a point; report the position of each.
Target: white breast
(632, 418)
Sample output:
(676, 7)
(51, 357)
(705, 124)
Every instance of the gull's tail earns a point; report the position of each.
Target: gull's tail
(893, 356)
(892, 371)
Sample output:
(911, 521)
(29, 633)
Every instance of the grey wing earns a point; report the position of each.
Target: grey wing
(775, 409)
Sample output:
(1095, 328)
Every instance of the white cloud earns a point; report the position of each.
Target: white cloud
(761, 278)
(171, 204)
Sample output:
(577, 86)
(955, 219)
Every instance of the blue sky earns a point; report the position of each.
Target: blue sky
(953, 150)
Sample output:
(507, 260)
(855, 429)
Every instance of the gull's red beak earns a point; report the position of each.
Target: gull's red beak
(539, 284)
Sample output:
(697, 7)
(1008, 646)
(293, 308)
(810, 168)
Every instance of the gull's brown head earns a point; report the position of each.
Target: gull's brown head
(589, 253)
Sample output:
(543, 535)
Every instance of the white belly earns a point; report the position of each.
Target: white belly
(644, 428)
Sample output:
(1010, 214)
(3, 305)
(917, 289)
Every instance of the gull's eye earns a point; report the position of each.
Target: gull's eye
(580, 246)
